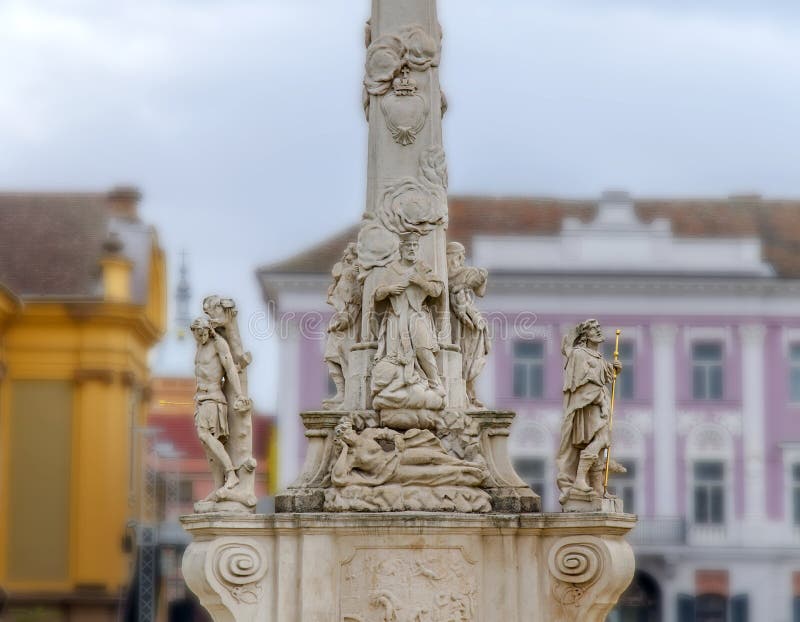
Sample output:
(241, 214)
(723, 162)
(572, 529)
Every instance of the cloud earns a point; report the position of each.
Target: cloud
(241, 119)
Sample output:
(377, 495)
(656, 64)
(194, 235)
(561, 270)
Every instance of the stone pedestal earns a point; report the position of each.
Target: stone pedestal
(507, 491)
(408, 567)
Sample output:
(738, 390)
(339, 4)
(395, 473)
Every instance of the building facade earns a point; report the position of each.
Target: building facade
(707, 295)
(82, 303)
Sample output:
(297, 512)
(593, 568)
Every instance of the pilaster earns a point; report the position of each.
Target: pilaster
(665, 418)
(753, 370)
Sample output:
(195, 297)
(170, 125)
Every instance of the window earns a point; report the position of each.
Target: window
(528, 369)
(709, 493)
(707, 371)
(794, 373)
(625, 381)
(796, 494)
(623, 485)
(711, 608)
(533, 472)
(740, 608)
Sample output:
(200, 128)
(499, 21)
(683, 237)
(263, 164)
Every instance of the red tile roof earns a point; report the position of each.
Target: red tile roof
(52, 242)
(776, 222)
(180, 432)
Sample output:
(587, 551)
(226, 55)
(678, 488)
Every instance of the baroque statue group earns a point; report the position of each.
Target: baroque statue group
(407, 507)
(420, 440)
(406, 344)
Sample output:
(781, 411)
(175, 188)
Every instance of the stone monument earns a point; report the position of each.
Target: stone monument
(408, 507)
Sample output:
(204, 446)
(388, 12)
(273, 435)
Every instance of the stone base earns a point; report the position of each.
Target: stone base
(521, 500)
(408, 419)
(396, 498)
(408, 566)
(591, 502)
(233, 501)
(508, 493)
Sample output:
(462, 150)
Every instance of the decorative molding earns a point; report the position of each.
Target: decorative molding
(729, 420)
(128, 378)
(106, 376)
(394, 583)
(642, 420)
(664, 334)
(709, 440)
(531, 438)
(404, 110)
(752, 334)
(576, 563)
(239, 567)
(723, 334)
(628, 440)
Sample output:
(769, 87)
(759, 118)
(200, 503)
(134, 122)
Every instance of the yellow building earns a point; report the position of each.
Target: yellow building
(82, 301)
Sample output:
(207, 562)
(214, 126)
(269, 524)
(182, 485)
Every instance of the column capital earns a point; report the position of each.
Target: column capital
(752, 334)
(664, 333)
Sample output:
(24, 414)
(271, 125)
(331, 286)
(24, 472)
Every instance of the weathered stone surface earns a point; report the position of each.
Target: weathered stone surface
(403, 566)
(223, 412)
(471, 438)
(584, 455)
(396, 498)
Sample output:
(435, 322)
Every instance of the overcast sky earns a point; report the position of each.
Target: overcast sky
(240, 120)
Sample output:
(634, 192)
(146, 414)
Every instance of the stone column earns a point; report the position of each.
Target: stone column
(393, 156)
(406, 170)
(752, 337)
(665, 418)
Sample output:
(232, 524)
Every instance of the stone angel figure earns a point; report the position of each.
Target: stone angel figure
(470, 331)
(214, 370)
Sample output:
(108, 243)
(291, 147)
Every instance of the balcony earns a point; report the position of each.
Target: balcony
(659, 531)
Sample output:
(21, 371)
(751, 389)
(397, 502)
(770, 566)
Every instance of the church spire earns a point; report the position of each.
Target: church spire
(183, 294)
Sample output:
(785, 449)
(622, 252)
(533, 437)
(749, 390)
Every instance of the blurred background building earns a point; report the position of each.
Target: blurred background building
(98, 452)
(83, 301)
(707, 294)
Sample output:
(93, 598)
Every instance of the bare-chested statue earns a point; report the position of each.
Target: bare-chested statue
(214, 368)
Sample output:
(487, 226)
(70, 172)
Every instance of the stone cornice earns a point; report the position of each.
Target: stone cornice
(501, 282)
(105, 376)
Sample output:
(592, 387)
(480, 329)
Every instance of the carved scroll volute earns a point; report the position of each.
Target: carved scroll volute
(587, 575)
(228, 575)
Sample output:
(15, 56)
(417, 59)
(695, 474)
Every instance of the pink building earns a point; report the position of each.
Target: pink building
(707, 294)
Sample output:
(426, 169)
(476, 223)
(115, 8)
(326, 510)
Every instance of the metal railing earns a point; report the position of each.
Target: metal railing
(661, 530)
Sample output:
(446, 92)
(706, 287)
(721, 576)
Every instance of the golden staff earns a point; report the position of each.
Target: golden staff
(611, 415)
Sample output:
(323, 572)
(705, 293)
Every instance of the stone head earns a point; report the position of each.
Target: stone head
(344, 432)
(455, 255)
(219, 310)
(202, 329)
(589, 332)
(409, 247)
(350, 254)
